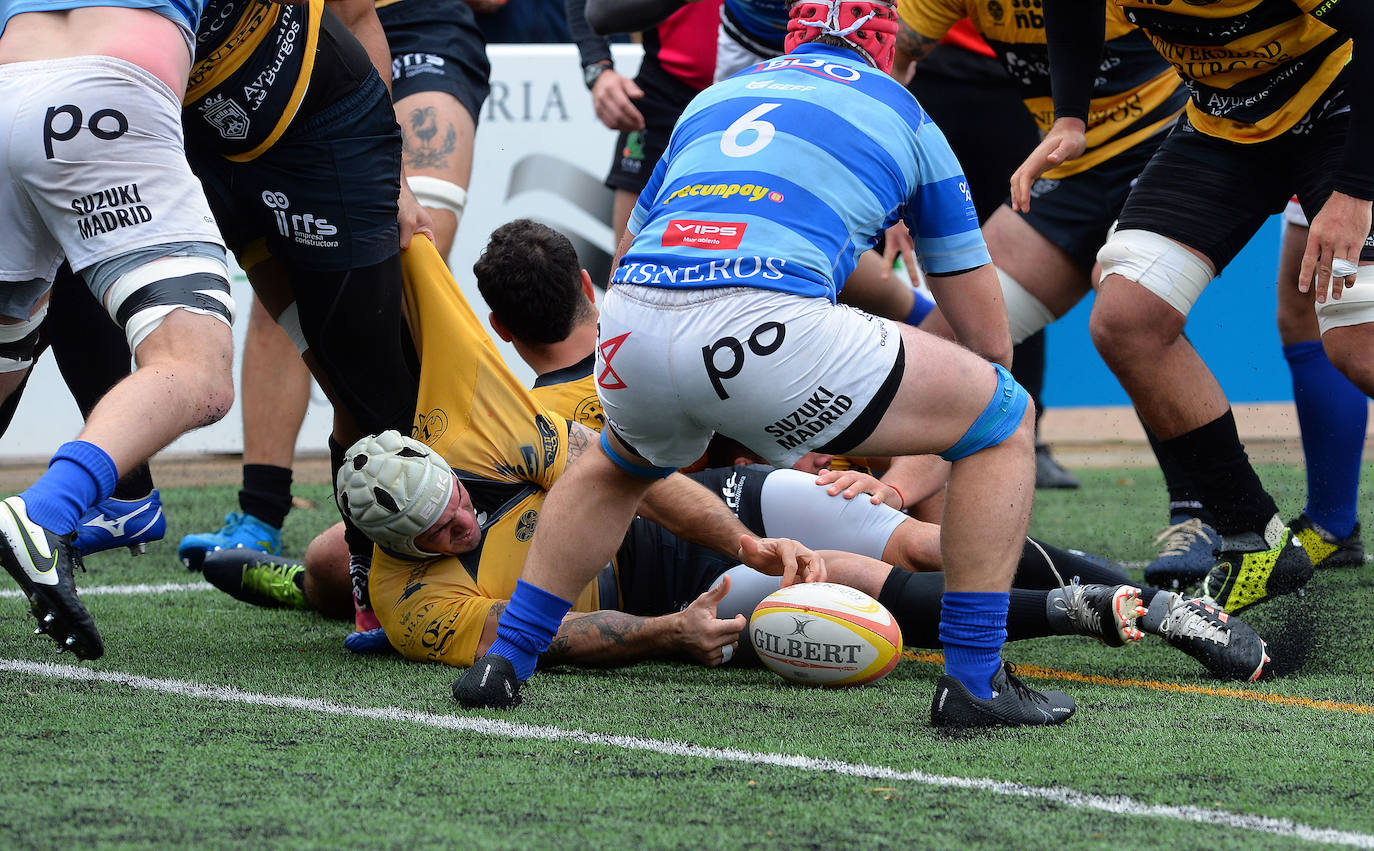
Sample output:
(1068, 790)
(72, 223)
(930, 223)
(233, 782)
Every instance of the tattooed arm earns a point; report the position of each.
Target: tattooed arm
(608, 638)
(911, 47)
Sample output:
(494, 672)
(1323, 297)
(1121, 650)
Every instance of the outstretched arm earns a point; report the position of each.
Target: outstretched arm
(609, 638)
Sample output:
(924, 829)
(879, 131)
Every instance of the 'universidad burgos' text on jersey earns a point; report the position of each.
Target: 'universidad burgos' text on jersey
(1254, 67)
(782, 175)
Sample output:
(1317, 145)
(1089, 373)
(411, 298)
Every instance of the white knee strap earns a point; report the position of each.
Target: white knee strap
(16, 352)
(155, 289)
(1026, 314)
(1157, 263)
(1354, 307)
(439, 194)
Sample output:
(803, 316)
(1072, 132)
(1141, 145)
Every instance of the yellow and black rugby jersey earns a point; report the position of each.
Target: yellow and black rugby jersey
(1255, 67)
(571, 391)
(507, 449)
(253, 64)
(1136, 95)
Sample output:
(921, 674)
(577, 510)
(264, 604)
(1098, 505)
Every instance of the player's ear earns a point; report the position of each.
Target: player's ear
(587, 289)
(498, 327)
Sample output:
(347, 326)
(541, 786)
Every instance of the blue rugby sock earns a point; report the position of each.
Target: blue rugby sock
(79, 475)
(1332, 413)
(973, 628)
(528, 626)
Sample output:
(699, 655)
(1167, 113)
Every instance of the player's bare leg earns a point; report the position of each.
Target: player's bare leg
(437, 137)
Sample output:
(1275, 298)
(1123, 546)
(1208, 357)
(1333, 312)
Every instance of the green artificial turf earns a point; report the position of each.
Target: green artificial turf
(140, 763)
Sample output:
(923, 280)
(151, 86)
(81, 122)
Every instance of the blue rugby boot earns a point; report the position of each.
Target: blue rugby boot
(132, 523)
(239, 530)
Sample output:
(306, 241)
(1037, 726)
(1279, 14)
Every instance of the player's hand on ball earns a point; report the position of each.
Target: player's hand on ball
(782, 557)
(705, 638)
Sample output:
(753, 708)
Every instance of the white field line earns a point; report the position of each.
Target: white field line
(97, 590)
(1119, 805)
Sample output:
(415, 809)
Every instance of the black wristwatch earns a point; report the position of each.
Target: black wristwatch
(594, 70)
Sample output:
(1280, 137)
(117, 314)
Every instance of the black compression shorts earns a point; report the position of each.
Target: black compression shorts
(1212, 195)
(1075, 212)
(436, 46)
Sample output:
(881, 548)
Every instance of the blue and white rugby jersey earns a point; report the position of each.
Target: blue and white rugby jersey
(782, 175)
(184, 13)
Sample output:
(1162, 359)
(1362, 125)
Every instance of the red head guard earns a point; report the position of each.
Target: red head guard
(869, 25)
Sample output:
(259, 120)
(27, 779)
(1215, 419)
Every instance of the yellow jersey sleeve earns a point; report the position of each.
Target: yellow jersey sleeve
(932, 18)
(471, 409)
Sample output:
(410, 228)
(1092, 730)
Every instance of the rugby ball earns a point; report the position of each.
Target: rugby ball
(820, 633)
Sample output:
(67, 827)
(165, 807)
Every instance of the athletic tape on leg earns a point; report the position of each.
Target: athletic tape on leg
(1158, 264)
(438, 194)
(1026, 314)
(1354, 307)
(998, 421)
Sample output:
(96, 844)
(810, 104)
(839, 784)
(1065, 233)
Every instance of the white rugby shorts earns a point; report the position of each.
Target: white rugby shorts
(94, 166)
(780, 373)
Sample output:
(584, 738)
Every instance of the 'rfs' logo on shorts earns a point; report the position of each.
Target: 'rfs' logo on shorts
(713, 236)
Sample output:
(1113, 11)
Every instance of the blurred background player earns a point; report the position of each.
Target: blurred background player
(1164, 253)
(96, 172)
(677, 65)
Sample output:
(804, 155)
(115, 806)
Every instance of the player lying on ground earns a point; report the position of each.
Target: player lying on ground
(446, 609)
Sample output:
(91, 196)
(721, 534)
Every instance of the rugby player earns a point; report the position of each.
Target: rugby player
(1279, 106)
(774, 182)
(660, 586)
(89, 95)
(438, 69)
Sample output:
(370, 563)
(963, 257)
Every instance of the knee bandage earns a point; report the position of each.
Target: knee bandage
(439, 194)
(142, 297)
(998, 421)
(1026, 314)
(1158, 264)
(18, 342)
(1354, 307)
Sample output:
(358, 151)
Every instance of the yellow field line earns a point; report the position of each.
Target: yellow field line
(1038, 672)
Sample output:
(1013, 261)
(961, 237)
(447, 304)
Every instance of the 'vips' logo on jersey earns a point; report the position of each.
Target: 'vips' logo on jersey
(713, 236)
(226, 116)
(302, 228)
